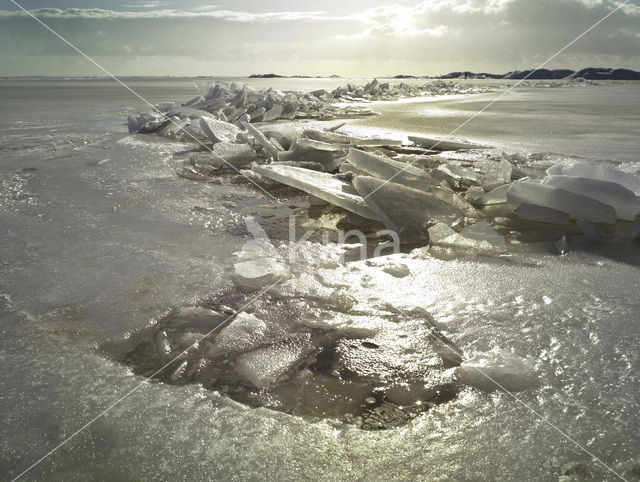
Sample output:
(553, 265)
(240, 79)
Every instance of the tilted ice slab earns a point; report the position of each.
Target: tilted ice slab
(260, 137)
(576, 205)
(443, 145)
(328, 155)
(319, 184)
(624, 201)
(404, 210)
(597, 171)
(495, 196)
(387, 169)
(219, 131)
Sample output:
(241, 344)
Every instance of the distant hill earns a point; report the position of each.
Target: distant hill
(590, 73)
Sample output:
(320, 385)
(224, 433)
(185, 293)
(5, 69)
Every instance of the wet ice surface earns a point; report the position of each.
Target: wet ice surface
(96, 249)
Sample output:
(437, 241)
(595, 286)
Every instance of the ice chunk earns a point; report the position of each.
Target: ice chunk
(403, 210)
(238, 155)
(244, 333)
(483, 231)
(495, 196)
(397, 270)
(623, 200)
(597, 171)
(320, 184)
(174, 127)
(219, 131)
(327, 136)
(442, 144)
(531, 212)
(283, 133)
(443, 235)
(145, 123)
(474, 193)
(260, 272)
(495, 174)
(302, 149)
(387, 169)
(498, 370)
(259, 264)
(456, 201)
(457, 177)
(189, 112)
(266, 366)
(259, 136)
(272, 114)
(576, 205)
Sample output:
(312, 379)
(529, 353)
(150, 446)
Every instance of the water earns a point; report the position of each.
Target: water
(100, 238)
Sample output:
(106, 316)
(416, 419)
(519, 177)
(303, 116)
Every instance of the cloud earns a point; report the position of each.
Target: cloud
(198, 13)
(428, 37)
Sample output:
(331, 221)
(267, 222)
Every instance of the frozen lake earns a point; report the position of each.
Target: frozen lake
(100, 239)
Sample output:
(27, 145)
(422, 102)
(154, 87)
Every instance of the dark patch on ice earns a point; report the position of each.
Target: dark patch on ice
(375, 382)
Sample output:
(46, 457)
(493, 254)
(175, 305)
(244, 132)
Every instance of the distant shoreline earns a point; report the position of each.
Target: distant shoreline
(589, 73)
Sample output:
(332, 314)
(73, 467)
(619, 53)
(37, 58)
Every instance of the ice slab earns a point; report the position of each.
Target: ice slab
(259, 265)
(457, 177)
(531, 212)
(238, 155)
(260, 137)
(174, 127)
(623, 200)
(597, 171)
(307, 150)
(495, 196)
(266, 366)
(576, 205)
(456, 201)
(495, 174)
(404, 210)
(319, 184)
(219, 131)
(283, 133)
(273, 113)
(388, 169)
(498, 370)
(245, 332)
(260, 272)
(147, 123)
(483, 231)
(442, 144)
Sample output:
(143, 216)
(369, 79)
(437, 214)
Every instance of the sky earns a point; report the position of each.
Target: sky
(353, 38)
